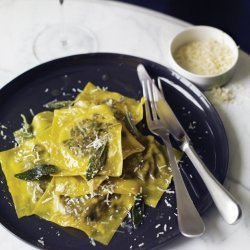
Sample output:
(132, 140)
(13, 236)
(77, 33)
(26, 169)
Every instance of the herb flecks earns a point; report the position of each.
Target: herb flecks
(97, 161)
(138, 210)
(86, 137)
(37, 173)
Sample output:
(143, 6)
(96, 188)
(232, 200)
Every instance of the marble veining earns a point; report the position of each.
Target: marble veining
(122, 28)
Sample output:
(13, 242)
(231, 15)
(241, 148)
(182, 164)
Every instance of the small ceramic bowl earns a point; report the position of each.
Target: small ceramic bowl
(201, 34)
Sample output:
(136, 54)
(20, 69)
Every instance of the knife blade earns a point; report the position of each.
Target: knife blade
(226, 204)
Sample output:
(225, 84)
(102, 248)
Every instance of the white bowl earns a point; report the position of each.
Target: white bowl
(199, 33)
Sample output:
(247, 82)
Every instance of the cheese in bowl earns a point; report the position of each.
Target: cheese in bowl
(205, 55)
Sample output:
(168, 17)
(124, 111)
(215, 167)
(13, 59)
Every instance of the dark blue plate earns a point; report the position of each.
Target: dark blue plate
(61, 79)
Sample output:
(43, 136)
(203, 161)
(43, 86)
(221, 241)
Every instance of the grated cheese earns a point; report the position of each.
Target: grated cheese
(98, 142)
(41, 241)
(92, 242)
(167, 203)
(220, 95)
(204, 57)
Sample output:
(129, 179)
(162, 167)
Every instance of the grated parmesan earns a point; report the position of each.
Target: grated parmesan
(204, 57)
(220, 95)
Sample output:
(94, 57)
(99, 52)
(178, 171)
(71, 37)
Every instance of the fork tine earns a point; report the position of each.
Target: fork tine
(160, 86)
(147, 108)
(151, 99)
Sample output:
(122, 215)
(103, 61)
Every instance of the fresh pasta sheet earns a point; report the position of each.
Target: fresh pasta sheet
(84, 164)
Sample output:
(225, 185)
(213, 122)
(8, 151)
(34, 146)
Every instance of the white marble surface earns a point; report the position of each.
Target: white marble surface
(131, 30)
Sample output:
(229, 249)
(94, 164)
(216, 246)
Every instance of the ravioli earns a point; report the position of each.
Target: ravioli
(77, 132)
(130, 145)
(41, 122)
(74, 186)
(119, 103)
(84, 164)
(98, 215)
(150, 169)
(16, 160)
(120, 106)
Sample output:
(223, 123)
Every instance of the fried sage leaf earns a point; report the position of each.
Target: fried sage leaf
(58, 104)
(138, 210)
(37, 173)
(97, 161)
(118, 114)
(131, 126)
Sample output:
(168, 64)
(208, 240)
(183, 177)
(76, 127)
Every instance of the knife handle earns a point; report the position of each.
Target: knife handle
(189, 220)
(227, 205)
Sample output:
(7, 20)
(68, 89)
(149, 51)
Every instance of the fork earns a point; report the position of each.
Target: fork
(189, 221)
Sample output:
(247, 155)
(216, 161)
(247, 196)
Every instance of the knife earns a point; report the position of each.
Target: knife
(226, 204)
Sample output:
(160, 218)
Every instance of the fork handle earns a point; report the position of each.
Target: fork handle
(224, 201)
(189, 220)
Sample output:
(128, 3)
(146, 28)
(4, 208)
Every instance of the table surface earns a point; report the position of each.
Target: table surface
(123, 28)
(231, 16)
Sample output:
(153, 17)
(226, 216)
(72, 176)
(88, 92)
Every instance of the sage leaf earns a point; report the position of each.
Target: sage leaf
(37, 173)
(131, 126)
(58, 104)
(138, 210)
(97, 161)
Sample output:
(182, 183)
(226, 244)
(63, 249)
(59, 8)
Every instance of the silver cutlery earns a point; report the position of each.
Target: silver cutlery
(227, 205)
(189, 221)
